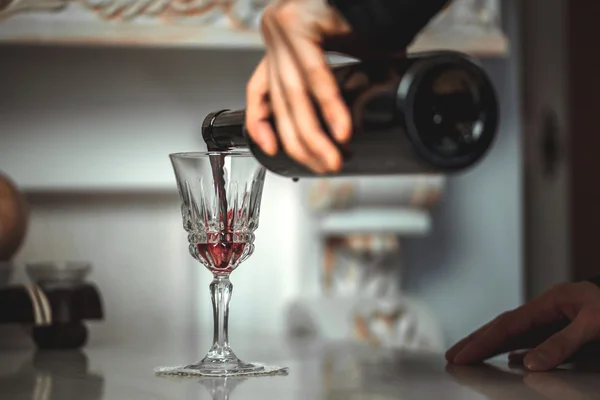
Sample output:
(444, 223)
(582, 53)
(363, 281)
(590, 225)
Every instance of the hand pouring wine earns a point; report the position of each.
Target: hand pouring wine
(425, 113)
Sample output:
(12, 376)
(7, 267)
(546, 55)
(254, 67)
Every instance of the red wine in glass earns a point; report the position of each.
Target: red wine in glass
(221, 257)
(223, 249)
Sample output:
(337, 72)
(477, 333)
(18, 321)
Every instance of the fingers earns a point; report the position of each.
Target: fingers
(564, 344)
(290, 101)
(507, 332)
(521, 328)
(258, 110)
(297, 74)
(493, 341)
(284, 122)
(321, 153)
(324, 88)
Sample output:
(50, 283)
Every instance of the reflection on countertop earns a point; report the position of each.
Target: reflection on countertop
(51, 375)
(320, 370)
(494, 382)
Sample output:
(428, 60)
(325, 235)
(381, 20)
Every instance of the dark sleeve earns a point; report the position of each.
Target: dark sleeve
(388, 25)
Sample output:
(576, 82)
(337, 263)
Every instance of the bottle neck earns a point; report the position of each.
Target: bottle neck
(224, 130)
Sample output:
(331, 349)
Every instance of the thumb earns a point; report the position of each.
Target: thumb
(559, 347)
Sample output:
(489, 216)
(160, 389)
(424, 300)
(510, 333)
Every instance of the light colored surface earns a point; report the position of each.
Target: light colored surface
(105, 118)
(317, 371)
(101, 123)
(466, 26)
(410, 324)
(20, 30)
(139, 255)
(139, 251)
(470, 268)
(231, 25)
(404, 222)
(547, 199)
(414, 191)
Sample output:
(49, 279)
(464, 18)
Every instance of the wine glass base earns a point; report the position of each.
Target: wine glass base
(228, 366)
(221, 361)
(223, 370)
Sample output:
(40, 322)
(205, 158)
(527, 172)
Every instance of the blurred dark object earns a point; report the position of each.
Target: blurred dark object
(59, 336)
(561, 99)
(56, 313)
(14, 217)
(550, 143)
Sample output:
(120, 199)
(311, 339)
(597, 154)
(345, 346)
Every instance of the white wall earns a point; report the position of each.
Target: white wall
(546, 88)
(107, 112)
(471, 267)
(121, 109)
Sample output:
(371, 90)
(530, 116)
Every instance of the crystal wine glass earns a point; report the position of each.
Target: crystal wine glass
(220, 194)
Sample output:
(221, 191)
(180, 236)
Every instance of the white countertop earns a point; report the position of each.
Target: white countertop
(316, 371)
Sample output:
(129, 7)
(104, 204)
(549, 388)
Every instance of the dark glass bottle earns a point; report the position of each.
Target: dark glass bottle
(431, 112)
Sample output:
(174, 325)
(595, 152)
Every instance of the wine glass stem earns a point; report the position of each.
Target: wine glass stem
(220, 291)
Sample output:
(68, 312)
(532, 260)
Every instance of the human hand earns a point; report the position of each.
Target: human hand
(554, 325)
(293, 72)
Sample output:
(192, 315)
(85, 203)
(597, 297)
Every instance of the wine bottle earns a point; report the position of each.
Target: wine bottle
(434, 112)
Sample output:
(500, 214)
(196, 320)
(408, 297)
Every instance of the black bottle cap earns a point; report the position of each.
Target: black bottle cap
(207, 129)
(450, 110)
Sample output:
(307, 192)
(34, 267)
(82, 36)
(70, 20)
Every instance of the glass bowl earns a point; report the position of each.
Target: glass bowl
(63, 274)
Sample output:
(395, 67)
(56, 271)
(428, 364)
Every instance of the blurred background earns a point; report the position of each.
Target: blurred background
(85, 133)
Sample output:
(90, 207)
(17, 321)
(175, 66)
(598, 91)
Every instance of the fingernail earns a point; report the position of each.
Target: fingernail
(334, 163)
(343, 137)
(271, 149)
(268, 146)
(537, 360)
(340, 133)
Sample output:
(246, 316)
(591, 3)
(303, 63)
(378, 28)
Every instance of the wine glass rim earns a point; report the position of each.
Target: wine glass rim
(204, 154)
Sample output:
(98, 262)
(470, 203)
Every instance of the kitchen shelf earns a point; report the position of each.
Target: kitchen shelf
(403, 222)
(50, 32)
(57, 32)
